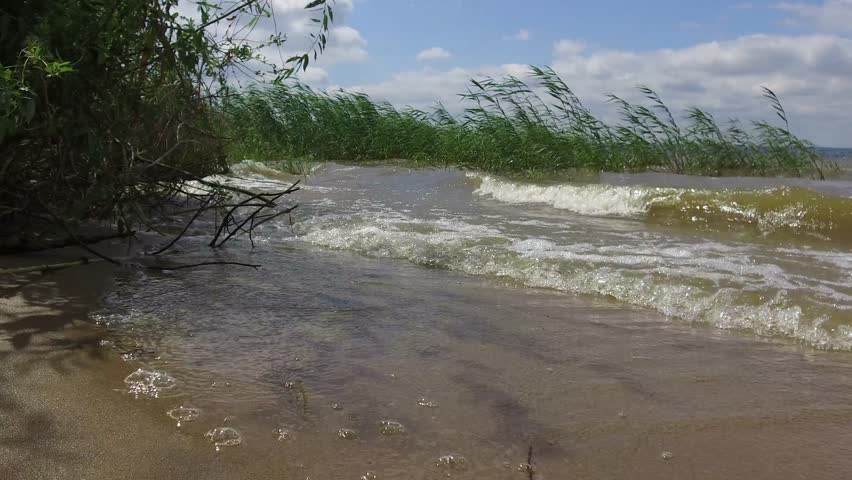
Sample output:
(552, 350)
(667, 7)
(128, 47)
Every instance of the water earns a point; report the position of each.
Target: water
(419, 324)
(183, 414)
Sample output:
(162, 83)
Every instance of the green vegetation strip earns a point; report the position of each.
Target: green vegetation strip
(508, 126)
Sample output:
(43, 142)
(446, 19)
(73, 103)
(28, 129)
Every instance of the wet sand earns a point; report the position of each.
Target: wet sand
(63, 411)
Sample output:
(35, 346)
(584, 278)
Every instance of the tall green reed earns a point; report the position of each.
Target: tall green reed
(507, 125)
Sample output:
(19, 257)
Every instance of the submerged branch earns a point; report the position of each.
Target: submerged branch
(201, 264)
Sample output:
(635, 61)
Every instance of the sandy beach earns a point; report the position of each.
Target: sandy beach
(63, 414)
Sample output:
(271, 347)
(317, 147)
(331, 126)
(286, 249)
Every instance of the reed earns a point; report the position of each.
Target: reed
(511, 126)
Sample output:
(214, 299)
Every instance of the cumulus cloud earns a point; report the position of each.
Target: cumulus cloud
(289, 17)
(568, 48)
(433, 53)
(425, 87)
(830, 16)
(314, 76)
(811, 73)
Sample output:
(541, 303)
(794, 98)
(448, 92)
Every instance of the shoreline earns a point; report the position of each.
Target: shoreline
(63, 410)
(725, 405)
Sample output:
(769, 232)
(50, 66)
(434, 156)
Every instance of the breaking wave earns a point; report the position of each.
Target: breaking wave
(771, 211)
(706, 283)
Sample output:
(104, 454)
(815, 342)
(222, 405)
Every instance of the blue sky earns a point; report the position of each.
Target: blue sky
(480, 31)
(712, 54)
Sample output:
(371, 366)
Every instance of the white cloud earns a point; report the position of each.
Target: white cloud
(433, 53)
(568, 48)
(314, 76)
(345, 44)
(423, 88)
(521, 35)
(830, 16)
(811, 73)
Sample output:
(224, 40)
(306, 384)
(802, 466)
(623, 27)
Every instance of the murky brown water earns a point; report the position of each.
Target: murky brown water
(642, 351)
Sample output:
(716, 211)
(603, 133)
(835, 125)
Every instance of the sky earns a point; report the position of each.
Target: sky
(711, 54)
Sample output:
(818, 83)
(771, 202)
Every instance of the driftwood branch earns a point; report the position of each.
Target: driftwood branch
(266, 201)
(240, 217)
(188, 224)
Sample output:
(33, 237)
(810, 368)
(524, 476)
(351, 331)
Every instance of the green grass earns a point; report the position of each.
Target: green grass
(507, 128)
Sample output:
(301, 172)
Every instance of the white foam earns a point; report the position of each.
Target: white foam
(695, 282)
(601, 200)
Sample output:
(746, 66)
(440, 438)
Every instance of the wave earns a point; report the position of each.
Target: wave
(601, 200)
(697, 283)
(770, 211)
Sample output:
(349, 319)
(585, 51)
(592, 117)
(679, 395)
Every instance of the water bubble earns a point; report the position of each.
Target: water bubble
(224, 437)
(369, 476)
(106, 320)
(391, 427)
(183, 414)
(526, 468)
(148, 383)
(667, 455)
(452, 463)
(130, 356)
(427, 403)
(347, 434)
(282, 434)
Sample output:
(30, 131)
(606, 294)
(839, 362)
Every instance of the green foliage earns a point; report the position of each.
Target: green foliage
(507, 127)
(106, 106)
(17, 99)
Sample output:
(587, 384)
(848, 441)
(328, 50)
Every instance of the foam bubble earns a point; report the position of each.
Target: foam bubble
(148, 383)
(391, 427)
(183, 414)
(452, 463)
(224, 437)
